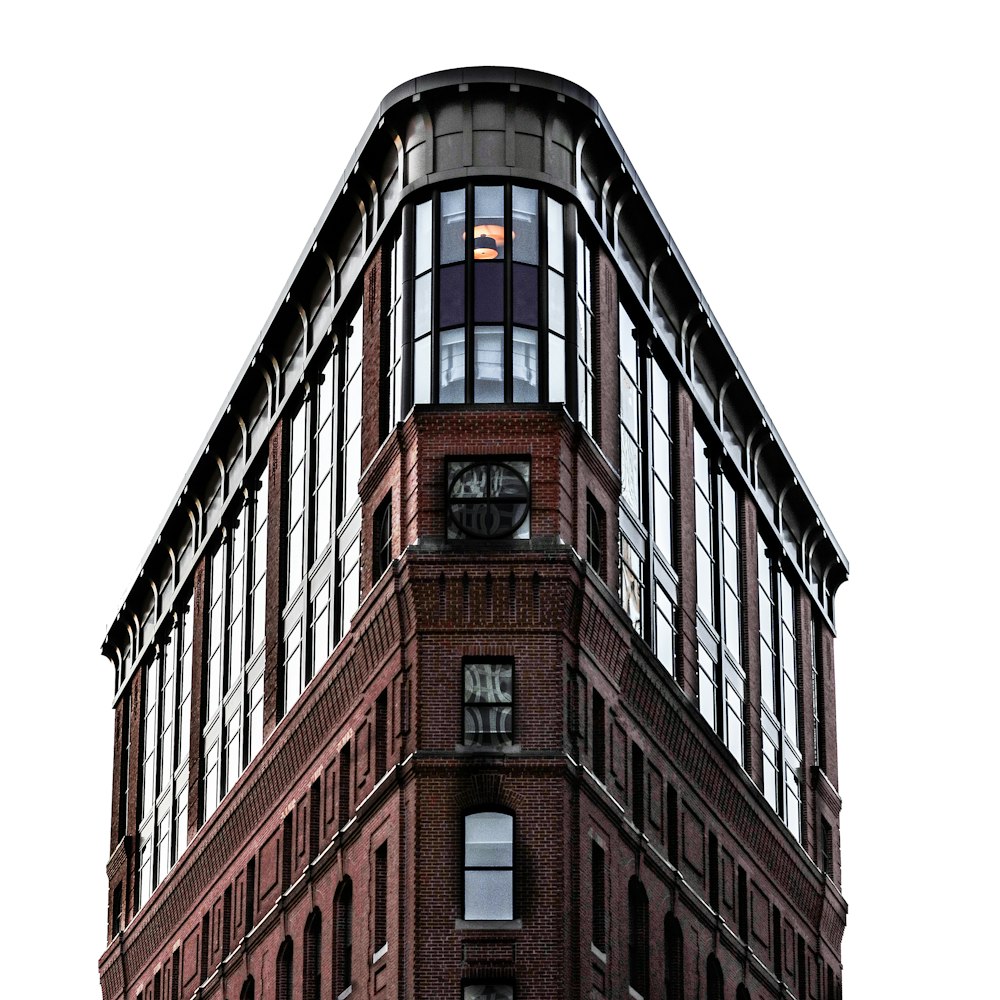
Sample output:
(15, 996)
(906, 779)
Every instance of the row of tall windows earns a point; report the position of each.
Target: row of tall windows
(322, 571)
(484, 284)
(166, 734)
(233, 691)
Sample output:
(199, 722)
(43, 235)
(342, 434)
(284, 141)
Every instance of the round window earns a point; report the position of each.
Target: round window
(487, 499)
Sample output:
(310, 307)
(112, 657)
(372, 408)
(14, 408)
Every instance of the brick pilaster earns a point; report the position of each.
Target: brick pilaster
(684, 544)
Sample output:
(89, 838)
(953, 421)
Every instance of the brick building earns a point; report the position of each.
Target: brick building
(487, 649)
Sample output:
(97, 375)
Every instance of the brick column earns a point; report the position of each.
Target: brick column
(277, 501)
(116, 777)
(803, 623)
(828, 721)
(198, 636)
(371, 373)
(751, 640)
(684, 545)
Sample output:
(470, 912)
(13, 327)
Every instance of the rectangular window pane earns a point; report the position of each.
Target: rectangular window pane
(452, 366)
(525, 363)
(488, 385)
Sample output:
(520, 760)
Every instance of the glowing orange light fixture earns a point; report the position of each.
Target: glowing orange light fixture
(489, 240)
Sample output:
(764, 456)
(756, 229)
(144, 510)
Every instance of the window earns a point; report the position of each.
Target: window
(323, 515)
(638, 937)
(488, 991)
(283, 971)
(489, 866)
(165, 736)
(344, 794)
(381, 734)
(779, 696)
(595, 535)
(721, 678)
(597, 921)
(819, 733)
(382, 538)
(586, 352)
(489, 499)
(674, 964)
(489, 281)
(344, 937)
(234, 675)
(646, 512)
(714, 973)
(638, 786)
(489, 704)
(597, 750)
(381, 867)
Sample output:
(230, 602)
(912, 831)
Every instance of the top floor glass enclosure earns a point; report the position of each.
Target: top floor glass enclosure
(482, 307)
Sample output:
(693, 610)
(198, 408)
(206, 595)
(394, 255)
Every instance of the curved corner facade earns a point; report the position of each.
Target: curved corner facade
(487, 649)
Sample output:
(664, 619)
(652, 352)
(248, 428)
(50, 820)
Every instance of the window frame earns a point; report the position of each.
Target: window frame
(494, 810)
(501, 661)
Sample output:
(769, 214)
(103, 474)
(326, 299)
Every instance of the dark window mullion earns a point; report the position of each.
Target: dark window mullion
(470, 289)
(543, 296)
(508, 294)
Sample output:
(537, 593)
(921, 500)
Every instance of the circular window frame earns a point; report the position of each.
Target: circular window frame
(487, 501)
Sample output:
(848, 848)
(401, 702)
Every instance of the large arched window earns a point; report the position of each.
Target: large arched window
(489, 866)
(638, 937)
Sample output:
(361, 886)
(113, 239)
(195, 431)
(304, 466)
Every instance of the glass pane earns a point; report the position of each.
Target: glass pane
(422, 370)
(526, 294)
(422, 304)
(470, 481)
(490, 991)
(557, 369)
(452, 295)
(555, 227)
(525, 224)
(452, 366)
(488, 385)
(525, 365)
(423, 238)
(489, 231)
(452, 226)
(557, 303)
(489, 839)
(489, 895)
(489, 293)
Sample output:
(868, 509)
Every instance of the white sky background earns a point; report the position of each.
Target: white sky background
(830, 177)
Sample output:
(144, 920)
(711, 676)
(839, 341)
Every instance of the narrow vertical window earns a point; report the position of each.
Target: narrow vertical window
(742, 904)
(344, 769)
(597, 896)
(422, 303)
(674, 958)
(314, 819)
(638, 937)
(713, 871)
(382, 538)
(283, 972)
(661, 463)
(819, 736)
(598, 752)
(595, 535)
(344, 946)
(381, 734)
(381, 893)
(673, 827)
(586, 354)
(631, 581)
(556, 297)
(638, 786)
(489, 866)
(714, 975)
(311, 958)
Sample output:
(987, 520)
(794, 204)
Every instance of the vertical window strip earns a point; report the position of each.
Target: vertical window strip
(632, 461)
(422, 303)
(585, 354)
(556, 297)
(394, 332)
(631, 581)
(325, 458)
(296, 498)
(661, 463)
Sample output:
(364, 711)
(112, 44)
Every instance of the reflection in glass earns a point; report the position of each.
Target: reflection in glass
(525, 224)
(452, 234)
(489, 712)
(488, 500)
(488, 385)
(452, 366)
(525, 365)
